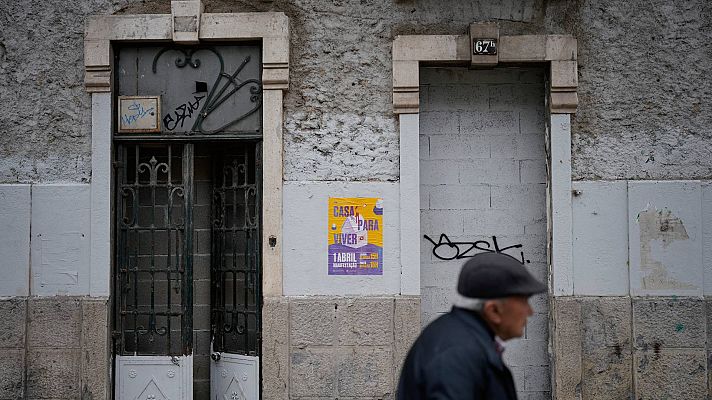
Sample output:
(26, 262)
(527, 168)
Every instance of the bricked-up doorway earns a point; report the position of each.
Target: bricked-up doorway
(187, 282)
(483, 184)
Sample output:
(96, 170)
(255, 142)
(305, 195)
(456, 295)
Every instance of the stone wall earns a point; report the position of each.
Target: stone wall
(336, 347)
(643, 348)
(54, 348)
(641, 86)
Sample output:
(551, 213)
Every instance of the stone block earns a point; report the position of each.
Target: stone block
(607, 373)
(95, 349)
(518, 377)
(526, 353)
(406, 326)
(537, 378)
(537, 327)
(451, 147)
(54, 322)
(495, 170)
(313, 321)
(313, 372)
(15, 240)
(53, 374)
(566, 347)
(424, 147)
(439, 123)
(365, 321)
(663, 323)
(438, 172)
(435, 222)
(489, 123)
(460, 197)
(275, 348)
(606, 322)
(13, 314)
(499, 223)
(366, 372)
(670, 374)
(12, 372)
(532, 171)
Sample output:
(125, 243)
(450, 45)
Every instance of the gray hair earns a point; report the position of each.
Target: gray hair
(470, 303)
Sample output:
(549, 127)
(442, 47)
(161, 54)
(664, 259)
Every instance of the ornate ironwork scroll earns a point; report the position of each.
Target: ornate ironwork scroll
(153, 267)
(236, 248)
(225, 86)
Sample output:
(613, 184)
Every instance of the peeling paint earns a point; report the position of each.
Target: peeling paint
(659, 228)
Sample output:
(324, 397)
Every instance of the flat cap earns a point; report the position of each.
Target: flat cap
(496, 275)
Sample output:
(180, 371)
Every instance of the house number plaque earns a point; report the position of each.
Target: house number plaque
(484, 46)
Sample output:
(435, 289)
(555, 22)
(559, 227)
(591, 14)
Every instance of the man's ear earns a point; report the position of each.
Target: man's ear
(492, 312)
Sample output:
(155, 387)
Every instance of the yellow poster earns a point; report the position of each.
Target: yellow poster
(355, 236)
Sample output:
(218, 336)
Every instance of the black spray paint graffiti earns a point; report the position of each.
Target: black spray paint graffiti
(445, 249)
(182, 112)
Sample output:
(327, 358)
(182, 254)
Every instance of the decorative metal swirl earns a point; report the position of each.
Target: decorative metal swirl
(126, 192)
(234, 326)
(153, 167)
(216, 97)
(187, 57)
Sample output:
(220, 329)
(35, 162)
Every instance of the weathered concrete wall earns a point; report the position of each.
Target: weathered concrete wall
(641, 85)
(642, 238)
(337, 347)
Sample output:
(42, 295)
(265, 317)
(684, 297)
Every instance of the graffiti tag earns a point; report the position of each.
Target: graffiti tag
(138, 112)
(181, 113)
(445, 249)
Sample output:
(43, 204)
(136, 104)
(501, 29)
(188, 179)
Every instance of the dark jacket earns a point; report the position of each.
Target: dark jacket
(455, 358)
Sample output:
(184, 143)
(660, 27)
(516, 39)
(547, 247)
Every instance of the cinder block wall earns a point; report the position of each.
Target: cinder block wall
(483, 175)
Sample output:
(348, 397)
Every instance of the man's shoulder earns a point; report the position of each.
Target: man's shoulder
(450, 332)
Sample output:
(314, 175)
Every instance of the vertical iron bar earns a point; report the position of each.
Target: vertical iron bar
(235, 181)
(258, 247)
(169, 209)
(187, 298)
(153, 182)
(136, 248)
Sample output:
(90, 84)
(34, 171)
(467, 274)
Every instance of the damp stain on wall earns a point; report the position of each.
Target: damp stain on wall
(659, 228)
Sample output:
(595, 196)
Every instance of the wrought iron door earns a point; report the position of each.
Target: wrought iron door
(210, 109)
(236, 273)
(153, 271)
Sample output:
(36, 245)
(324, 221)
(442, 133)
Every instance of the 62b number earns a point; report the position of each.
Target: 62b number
(484, 46)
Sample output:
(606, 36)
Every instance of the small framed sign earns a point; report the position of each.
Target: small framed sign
(139, 114)
(484, 46)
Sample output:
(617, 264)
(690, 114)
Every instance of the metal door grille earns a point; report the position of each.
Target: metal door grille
(153, 269)
(236, 273)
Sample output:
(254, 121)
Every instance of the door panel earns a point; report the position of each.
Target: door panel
(236, 273)
(154, 377)
(235, 377)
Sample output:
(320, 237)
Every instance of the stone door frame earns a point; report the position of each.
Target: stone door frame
(187, 24)
(558, 53)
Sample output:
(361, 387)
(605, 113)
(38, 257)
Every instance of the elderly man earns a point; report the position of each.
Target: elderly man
(458, 356)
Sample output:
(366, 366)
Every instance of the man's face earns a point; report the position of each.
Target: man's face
(508, 317)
